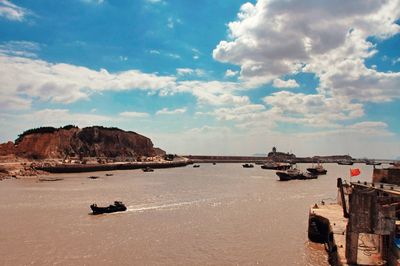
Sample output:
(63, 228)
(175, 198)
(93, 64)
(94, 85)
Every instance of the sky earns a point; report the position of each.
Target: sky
(226, 77)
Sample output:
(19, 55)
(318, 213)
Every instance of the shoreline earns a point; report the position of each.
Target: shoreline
(81, 168)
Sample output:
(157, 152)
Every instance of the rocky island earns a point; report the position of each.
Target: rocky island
(73, 149)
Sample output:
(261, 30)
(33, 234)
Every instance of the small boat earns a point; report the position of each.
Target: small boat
(196, 165)
(288, 174)
(370, 162)
(275, 166)
(214, 163)
(109, 174)
(118, 206)
(317, 170)
(248, 165)
(306, 176)
(294, 173)
(147, 169)
(345, 162)
(93, 177)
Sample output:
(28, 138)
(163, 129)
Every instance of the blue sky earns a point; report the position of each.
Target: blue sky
(208, 77)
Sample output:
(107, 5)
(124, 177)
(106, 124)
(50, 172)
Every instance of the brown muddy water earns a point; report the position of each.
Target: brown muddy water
(213, 215)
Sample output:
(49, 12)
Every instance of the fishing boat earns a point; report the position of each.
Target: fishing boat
(317, 170)
(294, 173)
(371, 162)
(345, 162)
(248, 165)
(118, 206)
(288, 174)
(147, 169)
(275, 166)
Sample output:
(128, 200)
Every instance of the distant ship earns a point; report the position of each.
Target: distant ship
(294, 173)
(372, 162)
(345, 162)
(275, 166)
(318, 169)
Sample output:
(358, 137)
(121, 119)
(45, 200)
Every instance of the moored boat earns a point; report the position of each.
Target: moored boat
(118, 206)
(147, 169)
(275, 166)
(294, 174)
(288, 174)
(345, 162)
(317, 170)
(371, 162)
(196, 165)
(248, 165)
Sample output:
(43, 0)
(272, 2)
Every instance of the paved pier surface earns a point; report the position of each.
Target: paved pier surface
(367, 245)
(334, 213)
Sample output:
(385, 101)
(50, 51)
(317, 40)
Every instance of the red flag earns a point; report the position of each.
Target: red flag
(354, 172)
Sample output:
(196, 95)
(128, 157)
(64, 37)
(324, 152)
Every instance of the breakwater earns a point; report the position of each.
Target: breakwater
(78, 168)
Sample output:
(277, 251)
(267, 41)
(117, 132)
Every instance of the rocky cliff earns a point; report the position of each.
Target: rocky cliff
(86, 142)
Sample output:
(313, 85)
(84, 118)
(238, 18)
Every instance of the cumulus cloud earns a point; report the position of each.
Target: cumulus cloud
(231, 73)
(290, 83)
(133, 114)
(239, 113)
(11, 11)
(20, 48)
(166, 111)
(274, 38)
(30, 79)
(189, 71)
(98, 2)
(313, 108)
(65, 83)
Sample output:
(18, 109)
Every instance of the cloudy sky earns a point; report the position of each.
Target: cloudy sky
(227, 77)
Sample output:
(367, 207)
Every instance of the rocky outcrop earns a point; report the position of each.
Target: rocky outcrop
(72, 141)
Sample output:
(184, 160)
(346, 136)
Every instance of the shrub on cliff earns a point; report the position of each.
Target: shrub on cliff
(39, 130)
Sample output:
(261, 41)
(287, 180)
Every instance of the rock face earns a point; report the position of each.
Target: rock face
(75, 142)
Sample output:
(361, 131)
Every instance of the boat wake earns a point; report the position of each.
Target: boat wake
(143, 208)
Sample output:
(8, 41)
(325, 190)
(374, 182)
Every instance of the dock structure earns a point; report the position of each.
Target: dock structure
(365, 233)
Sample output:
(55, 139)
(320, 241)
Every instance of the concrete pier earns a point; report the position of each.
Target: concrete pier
(337, 228)
(367, 232)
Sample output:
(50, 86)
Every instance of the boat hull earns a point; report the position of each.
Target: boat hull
(109, 209)
(276, 167)
(283, 176)
(317, 171)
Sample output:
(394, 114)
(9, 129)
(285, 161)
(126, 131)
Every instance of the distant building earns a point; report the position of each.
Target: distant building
(280, 156)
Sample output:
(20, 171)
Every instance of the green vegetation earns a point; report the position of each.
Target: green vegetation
(41, 130)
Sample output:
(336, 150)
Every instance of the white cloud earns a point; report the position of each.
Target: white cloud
(154, 51)
(274, 38)
(166, 111)
(64, 83)
(279, 83)
(171, 22)
(240, 113)
(189, 71)
(30, 80)
(174, 56)
(20, 48)
(231, 73)
(98, 2)
(12, 12)
(133, 114)
(313, 109)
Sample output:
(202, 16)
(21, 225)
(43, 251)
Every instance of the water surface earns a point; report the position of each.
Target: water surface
(213, 215)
